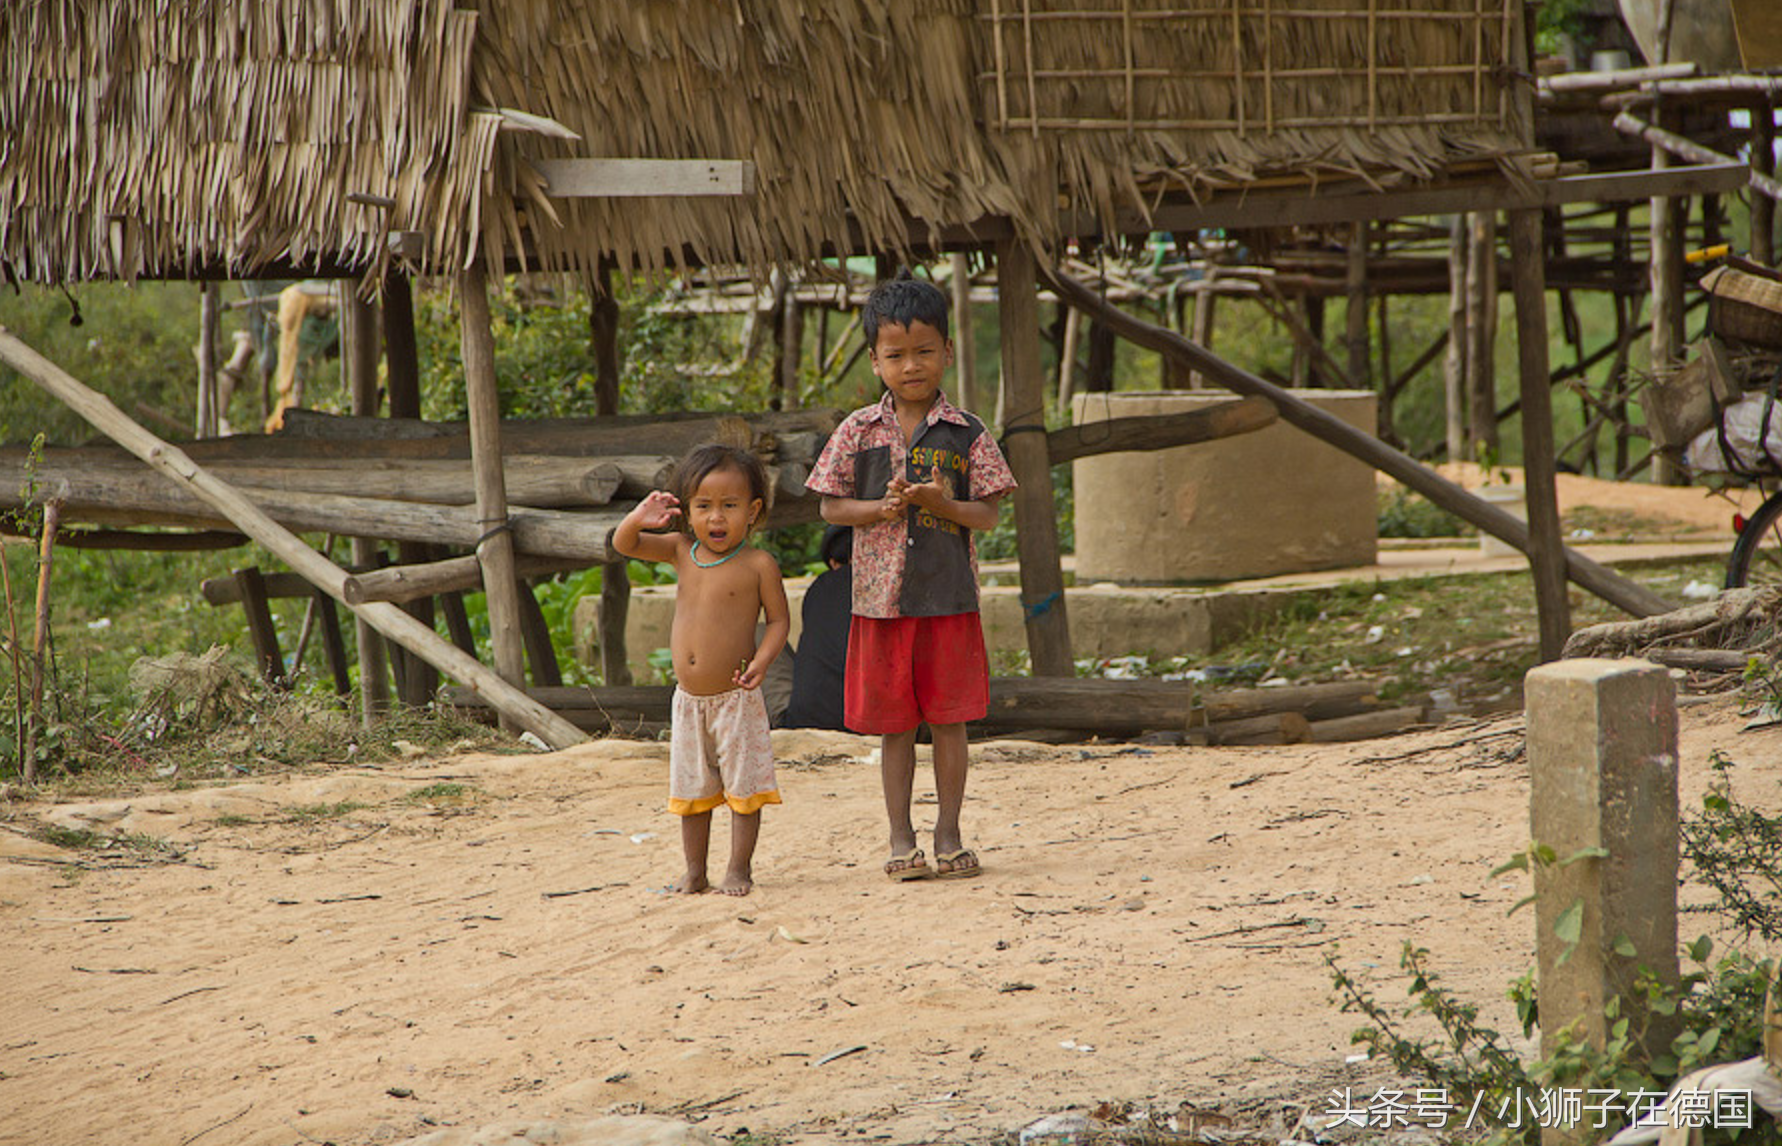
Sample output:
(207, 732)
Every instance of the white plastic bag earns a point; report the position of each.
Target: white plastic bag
(1743, 425)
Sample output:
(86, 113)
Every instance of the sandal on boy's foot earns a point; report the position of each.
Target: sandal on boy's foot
(962, 864)
(910, 865)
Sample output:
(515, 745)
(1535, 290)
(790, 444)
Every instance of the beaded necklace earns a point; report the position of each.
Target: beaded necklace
(694, 554)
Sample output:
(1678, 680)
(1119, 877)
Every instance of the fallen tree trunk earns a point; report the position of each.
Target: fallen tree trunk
(400, 583)
(1610, 586)
(101, 477)
(1742, 619)
(1109, 707)
(1364, 725)
(387, 619)
(541, 532)
(308, 434)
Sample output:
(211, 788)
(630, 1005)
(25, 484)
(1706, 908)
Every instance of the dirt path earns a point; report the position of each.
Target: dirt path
(368, 976)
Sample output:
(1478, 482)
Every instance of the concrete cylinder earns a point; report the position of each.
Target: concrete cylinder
(1254, 505)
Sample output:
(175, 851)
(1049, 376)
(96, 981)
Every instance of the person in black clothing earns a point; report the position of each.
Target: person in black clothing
(822, 655)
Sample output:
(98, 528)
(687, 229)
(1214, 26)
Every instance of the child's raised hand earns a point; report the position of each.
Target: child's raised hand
(658, 510)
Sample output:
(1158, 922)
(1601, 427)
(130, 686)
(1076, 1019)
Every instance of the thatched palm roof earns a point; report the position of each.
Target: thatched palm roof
(180, 135)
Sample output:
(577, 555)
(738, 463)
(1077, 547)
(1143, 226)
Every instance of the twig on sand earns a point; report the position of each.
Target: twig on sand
(1428, 748)
(218, 1126)
(582, 890)
(185, 994)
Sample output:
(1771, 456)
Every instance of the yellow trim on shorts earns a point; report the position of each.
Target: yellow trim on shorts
(695, 807)
(748, 805)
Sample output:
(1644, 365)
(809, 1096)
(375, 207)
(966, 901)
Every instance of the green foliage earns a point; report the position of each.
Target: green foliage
(544, 362)
(1406, 514)
(312, 813)
(1736, 849)
(1716, 1007)
(133, 345)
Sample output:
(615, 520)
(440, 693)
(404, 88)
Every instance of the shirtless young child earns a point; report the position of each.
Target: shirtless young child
(719, 748)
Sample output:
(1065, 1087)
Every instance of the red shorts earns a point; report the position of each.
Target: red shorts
(903, 671)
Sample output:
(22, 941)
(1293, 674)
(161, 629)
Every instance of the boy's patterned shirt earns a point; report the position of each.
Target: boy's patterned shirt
(882, 552)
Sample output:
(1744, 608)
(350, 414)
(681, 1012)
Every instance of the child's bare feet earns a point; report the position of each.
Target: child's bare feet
(692, 883)
(737, 883)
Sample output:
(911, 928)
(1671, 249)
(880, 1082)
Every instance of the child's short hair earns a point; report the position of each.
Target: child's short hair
(903, 300)
(838, 544)
(706, 460)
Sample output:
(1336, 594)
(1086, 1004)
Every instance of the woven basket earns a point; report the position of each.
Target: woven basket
(1745, 303)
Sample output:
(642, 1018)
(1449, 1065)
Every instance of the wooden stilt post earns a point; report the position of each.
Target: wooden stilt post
(791, 351)
(403, 374)
(359, 341)
(1546, 549)
(1355, 319)
(402, 359)
(1024, 438)
(965, 355)
(1481, 365)
(609, 622)
(358, 327)
(1206, 301)
(1067, 358)
(46, 563)
(603, 321)
(210, 310)
(1454, 387)
(495, 551)
(1763, 162)
(1667, 294)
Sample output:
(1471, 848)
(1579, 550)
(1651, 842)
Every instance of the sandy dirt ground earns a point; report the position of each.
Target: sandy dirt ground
(1152, 927)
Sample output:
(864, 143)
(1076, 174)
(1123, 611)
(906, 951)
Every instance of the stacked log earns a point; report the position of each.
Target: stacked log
(569, 481)
(1045, 706)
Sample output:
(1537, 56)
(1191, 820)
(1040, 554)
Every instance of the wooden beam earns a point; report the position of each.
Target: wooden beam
(401, 583)
(1036, 522)
(1674, 144)
(1624, 594)
(321, 572)
(1160, 431)
(1546, 549)
(651, 178)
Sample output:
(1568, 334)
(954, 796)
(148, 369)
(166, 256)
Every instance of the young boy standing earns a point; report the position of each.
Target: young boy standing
(915, 476)
(719, 749)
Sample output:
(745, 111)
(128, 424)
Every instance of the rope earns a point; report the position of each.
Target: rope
(1043, 606)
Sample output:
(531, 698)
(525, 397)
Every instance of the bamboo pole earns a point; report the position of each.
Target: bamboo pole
(358, 322)
(46, 560)
(209, 326)
(1546, 549)
(318, 570)
(1618, 591)
(965, 353)
(1670, 143)
(1024, 431)
(14, 655)
(1763, 164)
(1666, 245)
(1454, 387)
(495, 548)
(1481, 366)
(1355, 293)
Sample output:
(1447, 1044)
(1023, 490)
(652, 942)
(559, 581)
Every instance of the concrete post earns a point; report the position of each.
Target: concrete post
(1602, 760)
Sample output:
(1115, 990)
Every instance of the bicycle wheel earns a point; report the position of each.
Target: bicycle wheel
(1757, 554)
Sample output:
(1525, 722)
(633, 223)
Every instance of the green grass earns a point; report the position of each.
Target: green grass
(315, 813)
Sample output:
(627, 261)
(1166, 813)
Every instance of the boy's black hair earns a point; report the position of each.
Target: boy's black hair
(902, 301)
(838, 545)
(706, 460)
